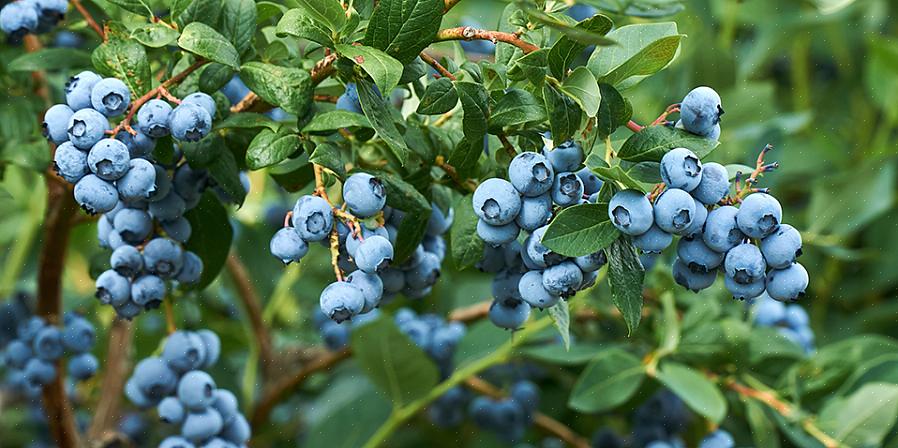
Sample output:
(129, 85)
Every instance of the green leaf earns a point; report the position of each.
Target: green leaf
(582, 35)
(189, 11)
(352, 400)
(645, 49)
(402, 195)
(379, 114)
(564, 114)
(383, 68)
(393, 362)
(614, 111)
(287, 87)
(327, 155)
(439, 98)
(863, 195)
(625, 276)
(125, 60)
(517, 107)
(49, 59)
(864, 418)
(696, 390)
(579, 353)
(247, 120)
(652, 142)
(567, 50)
(214, 77)
(531, 66)
(226, 173)
(336, 119)
(766, 343)
(581, 87)
(467, 247)
(612, 377)
(561, 317)
(270, 148)
(297, 23)
(475, 104)
(293, 174)
(404, 27)
(202, 40)
(615, 174)
(238, 23)
(580, 230)
(155, 35)
(763, 431)
(136, 6)
(211, 226)
(325, 12)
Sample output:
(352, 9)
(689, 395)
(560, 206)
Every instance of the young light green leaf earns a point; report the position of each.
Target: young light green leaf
(270, 148)
(561, 317)
(645, 48)
(475, 104)
(439, 97)
(379, 114)
(864, 418)
(582, 35)
(210, 224)
(336, 119)
(49, 59)
(326, 12)
(696, 390)
(581, 86)
(517, 107)
(466, 245)
(287, 87)
(202, 40)
(564, 114)
(612, 377)
(405, 27)
(155, 35)
(652, 142)
(625, 276)
(383, 68)
(566, 50)
(580, 230)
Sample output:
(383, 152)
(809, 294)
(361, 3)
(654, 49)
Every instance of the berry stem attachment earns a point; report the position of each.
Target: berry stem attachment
(760, 169)
(471, 33)
(89, 19)
(170, 326)
(323, 69)
(335, 254)
(437, 66)
(506, 144)
(663, 117)
(634, 126)
(164, 93)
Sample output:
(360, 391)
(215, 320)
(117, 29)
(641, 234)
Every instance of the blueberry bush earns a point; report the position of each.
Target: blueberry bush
(364, 223)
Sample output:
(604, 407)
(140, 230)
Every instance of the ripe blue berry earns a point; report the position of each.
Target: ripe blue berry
(139, 145)
(698, 221)
(190, 122)
(133, 225)
(681, 168)
(721, 232)
(163, 257)
(531, 174)
(29, 329)
(48, 343)
(17, 354)
(341, 301)
(745, 264)
(535, 212)
(539, 254)
(695, 254)
(203, 100)
(83, 366)
(79, 335)
(237, 431)
(497, 235)
(509, 313)
(18, 19)
(526, 394)
(287, 245)
(155, 378)
(631, 212)
(718, 439)
(313, 218)
(531, 289)
(674, 211)
(744, 291)
(567, 156)
(782, 247)
(176, 442)
(139, 182)
(364, 194)
(496, 201)
(372, 288)
(78, 89)
(196, 390)
(439, 222)
(567, 189)
(759, 215)
(199, 426)
(184, 351)
(653, 241)
(113, 289)
(591, 183)
(171, 410)
(153, 118)
(700, 110)
(714, 185)
(163, 184)
(39, 372)
(170, 207)
(374, 254)
(393, 280)
(787, 284)
(226, 404)
(70, 162)
(55, 125)
(563, 279)
(148, 291)
(692, 279)
(425, 273)
(86, 127)
(211, 346)
(109, 159)
(110, 97)
(592, 262)
(178, 229)
(349, 100)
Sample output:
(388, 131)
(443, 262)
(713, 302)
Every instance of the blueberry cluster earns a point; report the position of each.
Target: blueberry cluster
(530, 274)
(790, 320)
(365, 247)
(658, 422)
(749, 244)
(508, 417)
(433, 334)
(184, 394)
(21, 17)
(700, 113)
(32, 351)
(336, 335)
(718, 439)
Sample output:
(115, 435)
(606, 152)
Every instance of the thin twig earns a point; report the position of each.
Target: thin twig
(106, 413)
(323, 69)
(509, 148)
(471, 313)
(325, 98)
(449, 5)
(89, 18)
(471, 33)
(252, 304)
(246, 103)
(634, 126)
(468, 184)
(437, 66)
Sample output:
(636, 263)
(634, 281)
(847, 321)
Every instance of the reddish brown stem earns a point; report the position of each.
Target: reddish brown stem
(449, 4)
(325, 98)
(107, 412)
(437, 66)
(634, 126)
(89, 18)
(471, 313)
(246, 103)
(471, 33)
(252, 304)
(323, 69)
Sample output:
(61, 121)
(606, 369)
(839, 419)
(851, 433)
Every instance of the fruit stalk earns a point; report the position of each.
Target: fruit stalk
(437, 66)
(252, 304)
(115, 370)
(89, 18)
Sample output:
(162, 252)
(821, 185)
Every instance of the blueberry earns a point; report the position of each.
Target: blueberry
(435, 245)
(139, 182)
(718, 439)
(539, 254)
(497, 235)
(211, 346)
(163, 185)
(153, 118)
(589, 280)
(133, 225)
(439, 222)
(425, 273)
(563, 279)
(631, 212)
(199, 426)
(335, 336)
(78, 89)
(170, 207)
(17, 354)
(531, 174)
(531, 288)
(759, 215)
(496, 201)
(580, 12)
(674, 211)
(110, 97)
(50, 13)
(70, 162)
(341, 301)
(653, 241)
(509, 313)
(372, 288)
(393, 280)
(163, 257)
(505, 285)
(744, 291)
(797, 317)
(18, 19)
(692, 279)
(787, 284)
(128, 310)
(373, 254)
(196, 390)
(349, 100)
(83, 366)
(745, 264)
(148, 291)
(567, 189)
(226, 404)
(28, 330)
(190, 122)
(782, 247)
(109, 159)
(178, 229)
(79, 335)
(189, 182)
(364, 194)
(591, 183)
(526, 394)
(86, 127)
(237, 431)
(184, 351)
(444, 340)
(418, 331)
(39, 372)
(694, 253)
(112, 288)
(681, 168)
(55, 124)
(535, 212)
(567, 156)
(768, 312)
(171, 410)
(287, 245)
(48, 343)
(235, 90)
(700, 110)
(592, 262)
(155, 378)
(698, 221)
(201, 99)
(313, 218)
(714, 134)
(721, 232)
(714, 185)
